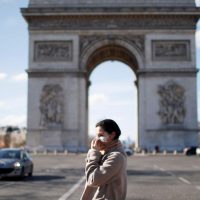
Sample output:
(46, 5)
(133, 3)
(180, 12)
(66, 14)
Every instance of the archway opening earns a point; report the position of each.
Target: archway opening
(111, 52)
(113, 94)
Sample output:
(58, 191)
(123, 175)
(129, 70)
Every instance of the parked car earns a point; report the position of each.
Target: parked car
(15, 162)
(128, 151)
(198, 151)
(190, 151)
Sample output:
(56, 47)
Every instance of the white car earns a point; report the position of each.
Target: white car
(198, 151)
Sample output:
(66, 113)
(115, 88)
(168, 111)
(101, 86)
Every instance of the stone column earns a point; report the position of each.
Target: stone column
(167, 93)
(57, 115)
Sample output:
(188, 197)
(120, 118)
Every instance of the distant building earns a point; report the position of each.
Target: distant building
(12, 136)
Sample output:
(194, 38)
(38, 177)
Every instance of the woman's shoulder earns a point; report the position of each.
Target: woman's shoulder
(118, 155)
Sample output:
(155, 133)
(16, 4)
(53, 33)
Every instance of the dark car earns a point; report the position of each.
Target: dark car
(190, 151)
(128, 151)
(15, 162)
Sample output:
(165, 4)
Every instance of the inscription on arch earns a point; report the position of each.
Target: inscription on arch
(53, 51)
(169, 50)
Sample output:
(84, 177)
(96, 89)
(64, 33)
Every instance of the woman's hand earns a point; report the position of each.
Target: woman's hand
(97, 145)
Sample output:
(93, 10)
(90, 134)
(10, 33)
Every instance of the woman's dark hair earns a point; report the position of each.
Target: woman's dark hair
(110, 126)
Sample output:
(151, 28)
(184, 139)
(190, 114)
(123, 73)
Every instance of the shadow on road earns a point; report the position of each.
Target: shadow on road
(69, 174)
(44, 178)
(145, 173)
(34, 178)
(161, 173)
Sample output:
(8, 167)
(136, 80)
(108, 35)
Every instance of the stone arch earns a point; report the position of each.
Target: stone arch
(104, 50)
(68, 39)
(111, 49)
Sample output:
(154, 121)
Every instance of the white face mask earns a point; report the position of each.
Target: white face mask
(103, 139)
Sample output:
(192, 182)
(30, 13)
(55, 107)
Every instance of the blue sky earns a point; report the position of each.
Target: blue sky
(113, 102)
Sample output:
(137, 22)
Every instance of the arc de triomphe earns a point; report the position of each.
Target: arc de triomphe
(68, 39)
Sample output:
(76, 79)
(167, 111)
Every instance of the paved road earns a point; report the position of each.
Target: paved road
(149, 178)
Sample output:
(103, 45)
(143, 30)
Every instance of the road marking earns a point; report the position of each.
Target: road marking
(170, 173)
(156, 166)
(198, 187)
(3, 186)
(196, 166)
(184, 180)
(72, 190)
(160, 168)
(164, 170)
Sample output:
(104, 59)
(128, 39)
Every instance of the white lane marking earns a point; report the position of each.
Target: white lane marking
(170, 173)
(164, 170)
(184, 180)
(160, 168)
(198, 187)
(3, 186)
(196, 166)
(156, 166)
(72, 190)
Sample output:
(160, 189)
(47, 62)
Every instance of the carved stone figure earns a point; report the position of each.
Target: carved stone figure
(51, 106)
(172, 99)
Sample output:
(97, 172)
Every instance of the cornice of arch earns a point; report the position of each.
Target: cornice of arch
(72, 11)
(112, 21)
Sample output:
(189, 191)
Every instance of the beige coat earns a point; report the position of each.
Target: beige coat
(106, 177)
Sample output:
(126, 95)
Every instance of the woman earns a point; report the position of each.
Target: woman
(105, 169)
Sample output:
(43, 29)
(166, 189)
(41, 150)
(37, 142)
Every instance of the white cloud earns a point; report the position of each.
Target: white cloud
(3, 76)
(96, 99)
(2, 104)
(20, 77)
(124, 112)
(116, 100)
(122, 103)
(13, 105)
(114, 87)
(198, 39)
(14, 120)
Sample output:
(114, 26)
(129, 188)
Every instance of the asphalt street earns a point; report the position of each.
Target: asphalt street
(150, 177)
